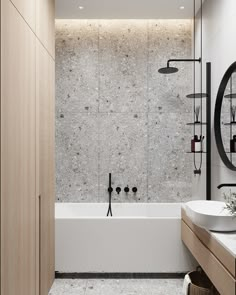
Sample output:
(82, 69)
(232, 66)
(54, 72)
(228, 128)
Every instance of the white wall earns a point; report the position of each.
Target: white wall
(219, 48)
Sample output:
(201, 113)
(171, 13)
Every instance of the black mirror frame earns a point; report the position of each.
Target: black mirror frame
(217, 117)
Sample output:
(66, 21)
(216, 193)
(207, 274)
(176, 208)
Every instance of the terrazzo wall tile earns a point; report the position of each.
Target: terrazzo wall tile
(77, 66)
(123, 152)
(115, 112)
(168, 92)
(169, 39)
(123, 66)
(77, 157)
(169, 166)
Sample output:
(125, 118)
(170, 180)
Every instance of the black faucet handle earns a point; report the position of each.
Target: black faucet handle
(110, 189)
(134, 189)
(126, 189)
(118, 190)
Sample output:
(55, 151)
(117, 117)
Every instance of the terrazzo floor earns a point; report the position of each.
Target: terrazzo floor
(117, 287)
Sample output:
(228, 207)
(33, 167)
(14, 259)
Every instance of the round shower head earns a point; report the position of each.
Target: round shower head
(168, 70)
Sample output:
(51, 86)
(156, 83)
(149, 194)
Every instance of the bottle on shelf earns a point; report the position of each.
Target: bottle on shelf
(233, 144)
(197, 144)
(193, 141)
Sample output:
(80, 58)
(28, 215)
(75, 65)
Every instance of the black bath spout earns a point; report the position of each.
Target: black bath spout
(110, 190)
(226, 185)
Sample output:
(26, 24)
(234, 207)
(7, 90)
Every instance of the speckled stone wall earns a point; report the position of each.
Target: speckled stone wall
(116, 113)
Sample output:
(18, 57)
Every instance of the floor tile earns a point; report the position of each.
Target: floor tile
(69, 287)
(118, 287)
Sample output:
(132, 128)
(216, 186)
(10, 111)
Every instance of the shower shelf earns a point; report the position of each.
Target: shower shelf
(196, 152)
(197, 95)
(231, 123)
(196, 123)
(230, 96)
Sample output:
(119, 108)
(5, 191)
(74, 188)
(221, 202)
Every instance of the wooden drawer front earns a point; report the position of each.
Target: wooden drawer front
(217, 273)
(220, 252)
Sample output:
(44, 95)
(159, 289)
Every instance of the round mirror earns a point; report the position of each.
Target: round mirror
(225, 118)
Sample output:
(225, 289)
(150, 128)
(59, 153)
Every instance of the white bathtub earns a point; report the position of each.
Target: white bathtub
(139, 238)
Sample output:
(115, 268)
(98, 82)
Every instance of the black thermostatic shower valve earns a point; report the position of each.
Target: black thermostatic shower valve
(118, 190)
(126, 189)
(134, 190)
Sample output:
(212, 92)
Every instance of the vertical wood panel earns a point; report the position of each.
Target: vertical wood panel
(45, 24)
(27, 9)
(18, 246)
(45, 101)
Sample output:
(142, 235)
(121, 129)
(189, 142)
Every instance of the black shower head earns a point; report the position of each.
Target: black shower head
(172, 70)
(168, 70)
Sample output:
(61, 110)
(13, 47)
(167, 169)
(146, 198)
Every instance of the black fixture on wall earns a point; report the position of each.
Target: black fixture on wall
(208, 131)
(110, 190)
(126, 189)
(171, 70)
(134, 190)
(226, 185)
(118, 190)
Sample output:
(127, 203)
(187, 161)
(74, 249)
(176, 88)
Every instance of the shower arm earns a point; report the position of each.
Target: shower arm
(183, 60)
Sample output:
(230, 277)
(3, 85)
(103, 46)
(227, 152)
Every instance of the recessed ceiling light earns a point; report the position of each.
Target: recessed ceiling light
(81, 7)
(181, 7)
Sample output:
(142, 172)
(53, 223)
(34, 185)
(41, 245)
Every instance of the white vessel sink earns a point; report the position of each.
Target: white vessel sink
(211, 215)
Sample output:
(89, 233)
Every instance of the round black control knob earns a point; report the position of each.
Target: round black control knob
(110, 190)
(126, 189)
(134, 189)
(118, 190)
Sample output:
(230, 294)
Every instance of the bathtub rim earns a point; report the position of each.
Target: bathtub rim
(141, 217)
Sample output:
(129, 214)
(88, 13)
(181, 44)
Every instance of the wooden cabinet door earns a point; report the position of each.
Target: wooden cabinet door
(45, 101)
(18, 154)
(45, 24)
(27, 9)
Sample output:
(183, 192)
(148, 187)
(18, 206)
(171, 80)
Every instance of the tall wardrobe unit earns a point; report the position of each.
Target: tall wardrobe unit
(27, 147)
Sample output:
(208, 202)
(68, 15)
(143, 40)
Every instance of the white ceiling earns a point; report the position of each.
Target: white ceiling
(125, 9)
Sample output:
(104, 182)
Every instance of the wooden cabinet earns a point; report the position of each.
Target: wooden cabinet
(18, 145)
(215, 259)
(45, 106)
(27, 152)
(26, 9)
(45, 24)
